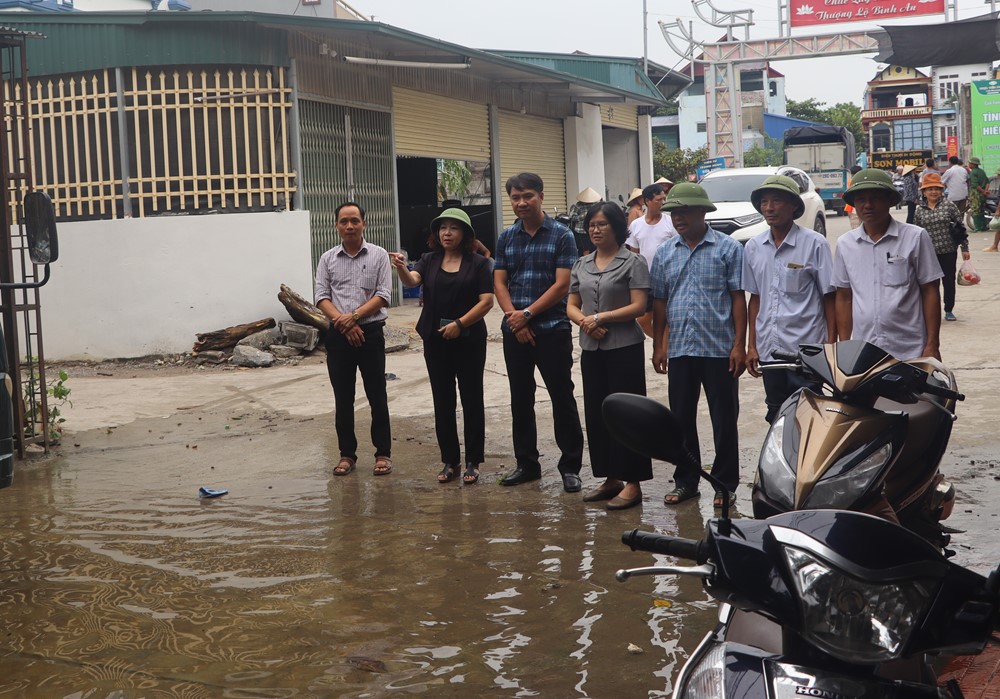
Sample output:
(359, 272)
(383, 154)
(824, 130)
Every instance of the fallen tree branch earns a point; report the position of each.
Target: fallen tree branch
(228, 337)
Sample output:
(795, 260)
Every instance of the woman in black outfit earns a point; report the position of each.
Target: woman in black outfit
(458, 293)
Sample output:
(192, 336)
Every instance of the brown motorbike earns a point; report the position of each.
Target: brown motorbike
(870, 440)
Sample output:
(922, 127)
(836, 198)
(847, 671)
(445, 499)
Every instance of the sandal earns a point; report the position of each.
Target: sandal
(383, 466)
(679, 495)
(346, 465)
(448, 473)
(717, 502)
(471, 474)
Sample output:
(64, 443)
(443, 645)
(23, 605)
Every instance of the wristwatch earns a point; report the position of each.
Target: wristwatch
(355, 316)
(527, 313)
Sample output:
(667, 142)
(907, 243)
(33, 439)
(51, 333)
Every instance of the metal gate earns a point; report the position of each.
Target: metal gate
(347, 156)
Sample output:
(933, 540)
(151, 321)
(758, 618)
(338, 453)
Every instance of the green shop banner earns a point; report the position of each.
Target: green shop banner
(985, 98)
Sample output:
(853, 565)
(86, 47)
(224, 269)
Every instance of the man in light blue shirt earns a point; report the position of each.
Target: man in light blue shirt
(699, 330)
(786, 271)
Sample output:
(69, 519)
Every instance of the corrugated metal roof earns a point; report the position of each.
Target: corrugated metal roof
(169, 38)
(117, 40)
(622, 73)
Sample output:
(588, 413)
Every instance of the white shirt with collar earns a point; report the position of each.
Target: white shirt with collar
(791, 281)
(956, 181)
(885, 278)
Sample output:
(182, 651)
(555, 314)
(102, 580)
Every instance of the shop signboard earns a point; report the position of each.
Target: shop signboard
(807, 13)
(985, 103)
(890, 160)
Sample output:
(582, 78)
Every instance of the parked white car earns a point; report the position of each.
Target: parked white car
(729, 190)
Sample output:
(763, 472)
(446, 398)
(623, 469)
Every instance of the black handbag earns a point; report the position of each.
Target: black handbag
(959, 234)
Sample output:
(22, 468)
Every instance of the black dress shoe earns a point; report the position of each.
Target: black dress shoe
(520, 476)
(572, 482)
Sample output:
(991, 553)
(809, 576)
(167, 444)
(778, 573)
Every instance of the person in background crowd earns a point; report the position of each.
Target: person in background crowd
(911, 194)
(353, 290)
(897, 180)
(459, 294)
(699, 332)
(633, 206)
(665, 184)
(993, 187)
(930, 165)
(534, 258)
(577, 212)
(646, 234)
(937, 216)
(978, 182)
(786, 271)
(886, 274)
(956, 180)
(608, 291)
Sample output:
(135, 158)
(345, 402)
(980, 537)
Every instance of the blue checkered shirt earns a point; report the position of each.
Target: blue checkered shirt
(697, 285)
(531, 263)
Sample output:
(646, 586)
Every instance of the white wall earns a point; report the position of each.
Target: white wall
(137, 287)
(692, 110)
(646, 173)
(584, 152)
(621, 163)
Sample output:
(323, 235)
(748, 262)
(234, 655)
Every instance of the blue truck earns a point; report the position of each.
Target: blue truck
(827, 154)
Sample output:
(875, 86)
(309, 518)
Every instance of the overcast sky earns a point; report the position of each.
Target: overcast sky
(616, 30)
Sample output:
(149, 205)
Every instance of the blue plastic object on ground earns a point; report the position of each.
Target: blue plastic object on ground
(204, 492)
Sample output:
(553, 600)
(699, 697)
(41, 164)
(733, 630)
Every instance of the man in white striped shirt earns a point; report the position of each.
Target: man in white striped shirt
(353, 290)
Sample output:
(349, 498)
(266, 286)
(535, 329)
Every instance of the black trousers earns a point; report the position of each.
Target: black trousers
(686, 378)
(779, 384)
(552, 354)
(911, 211)
(462, 359)
(948, 263)
(605, 372)
(343, 363)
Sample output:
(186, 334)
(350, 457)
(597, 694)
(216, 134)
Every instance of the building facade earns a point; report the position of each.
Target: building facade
(199, 157)
(897, 113)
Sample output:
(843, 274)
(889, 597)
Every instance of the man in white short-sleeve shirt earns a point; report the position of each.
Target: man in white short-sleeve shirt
(786, 271)
(886, 274)
(646, 233)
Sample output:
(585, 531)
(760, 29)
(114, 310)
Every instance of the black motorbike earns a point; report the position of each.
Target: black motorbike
(815, 603)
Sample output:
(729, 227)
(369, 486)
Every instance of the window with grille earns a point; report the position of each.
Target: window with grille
(193, 140)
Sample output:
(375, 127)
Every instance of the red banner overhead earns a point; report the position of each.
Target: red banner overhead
(806, 13)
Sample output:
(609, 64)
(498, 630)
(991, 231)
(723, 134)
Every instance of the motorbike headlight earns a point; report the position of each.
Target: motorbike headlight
(775, 475)
(843, 490)
(707, 679)
(855, 620)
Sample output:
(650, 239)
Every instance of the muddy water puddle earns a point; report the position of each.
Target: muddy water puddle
(119, 582)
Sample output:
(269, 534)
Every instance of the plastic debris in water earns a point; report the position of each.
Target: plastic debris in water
(634, 649)
(204, 492)
(665, 603)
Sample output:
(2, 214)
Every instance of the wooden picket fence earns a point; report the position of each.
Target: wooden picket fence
(192, 141)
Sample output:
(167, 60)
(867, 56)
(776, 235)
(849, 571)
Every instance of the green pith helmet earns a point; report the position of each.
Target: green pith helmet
(872, 178)
(457, 215)
(688, 194)
(779, 183)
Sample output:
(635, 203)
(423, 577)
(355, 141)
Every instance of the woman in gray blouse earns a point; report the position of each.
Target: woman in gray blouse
(608, 291)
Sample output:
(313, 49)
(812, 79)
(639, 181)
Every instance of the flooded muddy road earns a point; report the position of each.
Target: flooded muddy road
(118, 581)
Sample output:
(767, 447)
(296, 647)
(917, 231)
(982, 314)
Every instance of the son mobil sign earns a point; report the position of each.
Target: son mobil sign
(806, 13)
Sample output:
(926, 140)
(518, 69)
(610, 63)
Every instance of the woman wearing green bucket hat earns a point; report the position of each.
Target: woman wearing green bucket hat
(458, 293)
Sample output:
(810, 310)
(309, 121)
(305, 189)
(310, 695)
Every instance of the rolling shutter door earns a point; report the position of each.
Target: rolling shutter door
(624, 116)
(430, 126)
(533, 144)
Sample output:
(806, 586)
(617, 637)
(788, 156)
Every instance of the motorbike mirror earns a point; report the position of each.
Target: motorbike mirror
(646, 427)
(40, 226)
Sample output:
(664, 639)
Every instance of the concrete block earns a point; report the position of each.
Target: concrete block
(299, 335)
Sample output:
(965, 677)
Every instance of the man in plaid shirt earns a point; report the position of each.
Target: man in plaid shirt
(531, 280)
(699, 329)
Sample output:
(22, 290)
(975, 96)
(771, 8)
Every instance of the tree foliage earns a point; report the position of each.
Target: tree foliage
(676, 165)
(771, 153)
(671, 109)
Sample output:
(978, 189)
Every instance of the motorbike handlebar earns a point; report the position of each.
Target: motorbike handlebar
(785, 356)
(690, 549)
(943, 392)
